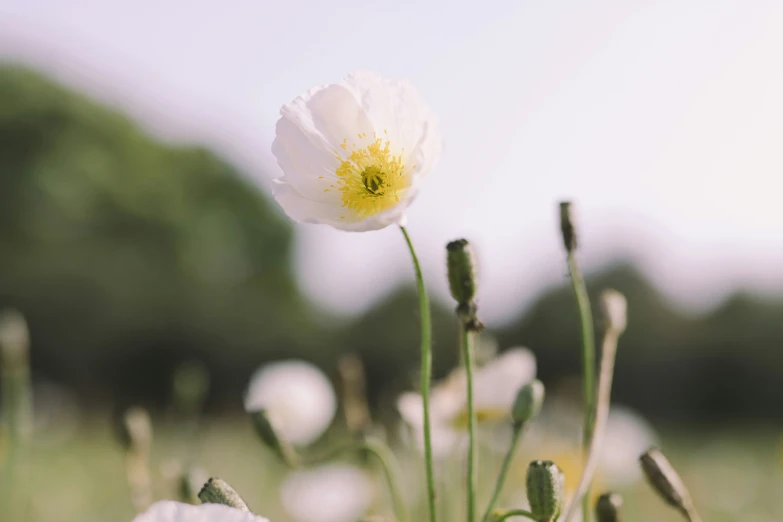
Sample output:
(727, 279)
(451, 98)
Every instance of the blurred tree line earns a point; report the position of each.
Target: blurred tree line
(129, 257)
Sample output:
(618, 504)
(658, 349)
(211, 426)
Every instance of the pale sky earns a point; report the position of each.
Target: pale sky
(663, 120)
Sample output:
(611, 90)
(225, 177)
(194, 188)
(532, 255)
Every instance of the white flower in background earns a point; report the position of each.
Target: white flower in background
(332, 493)
(495, 386)
(353, 153)
(170, 511)
(297, 396)
(627, 436)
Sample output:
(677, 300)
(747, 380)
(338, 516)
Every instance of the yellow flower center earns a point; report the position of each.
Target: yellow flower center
(372, 178)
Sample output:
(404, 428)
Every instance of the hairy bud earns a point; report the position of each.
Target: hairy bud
(217, 491)
(545, 490)
(666, 481)
(607, 507)
(528, 402)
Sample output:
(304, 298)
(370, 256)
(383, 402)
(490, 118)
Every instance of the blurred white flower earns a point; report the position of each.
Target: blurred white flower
(627, 436)
(332, 493)
(353, 153)
(495, 386)
(170, 511)
(298, 397)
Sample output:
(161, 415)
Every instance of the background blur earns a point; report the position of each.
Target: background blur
(137, 232)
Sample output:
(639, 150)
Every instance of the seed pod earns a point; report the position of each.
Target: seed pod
(567, 226)
(527, 405)
(217, 491)
(545, 490)
(607, 508)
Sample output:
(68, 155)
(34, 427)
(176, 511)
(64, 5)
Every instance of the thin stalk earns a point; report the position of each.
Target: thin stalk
(517, 434)
(588, 364)
(608, 353)
(426, 374)
(472, 478)
(514, 513)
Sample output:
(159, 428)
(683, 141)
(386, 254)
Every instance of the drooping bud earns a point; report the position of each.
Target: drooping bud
(528, 402)
(608, 506)
(461, 270)
(614, 309)
(666, 481)
(567, 226)
(545, 490)
(217, 491)
(269, 435)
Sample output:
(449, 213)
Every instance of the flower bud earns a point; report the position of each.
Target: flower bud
(614, 308)
(665, 480)
(545, 490)
(607, 508)
(527, 405)
(136, 430)
(217, 491)
(461, 270)
(567, 226)
(269, 435)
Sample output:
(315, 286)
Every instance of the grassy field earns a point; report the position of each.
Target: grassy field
(81, 478)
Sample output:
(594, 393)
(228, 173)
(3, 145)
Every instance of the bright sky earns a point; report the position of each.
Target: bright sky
(663, 120)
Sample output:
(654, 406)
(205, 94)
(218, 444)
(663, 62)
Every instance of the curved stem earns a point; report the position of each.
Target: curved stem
(426, 373)
(503, 472)
(588, 364)
(514, 513)
(387, 461)
(472, 478)
(608, 354)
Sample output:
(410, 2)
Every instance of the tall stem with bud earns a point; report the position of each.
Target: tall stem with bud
(462, 283)
(568, 229)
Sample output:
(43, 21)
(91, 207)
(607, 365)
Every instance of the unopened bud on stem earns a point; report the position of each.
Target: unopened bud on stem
(608, 506)
(567, 226)
(269, 435)
(217, 491)
(545, 490)
(527, 405)
(614, 308)
(667, 482)
(461, 267)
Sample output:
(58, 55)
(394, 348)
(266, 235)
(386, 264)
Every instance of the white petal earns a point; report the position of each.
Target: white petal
(627, 436)
(170, 511)
(305, 210)
(333, 493)
(298, 395)
(497, 382)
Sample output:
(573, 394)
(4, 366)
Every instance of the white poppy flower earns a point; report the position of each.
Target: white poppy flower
(331, 493)
(353, 153)
(297, 396)
(170, 511)
(627, 436)
(495, 386)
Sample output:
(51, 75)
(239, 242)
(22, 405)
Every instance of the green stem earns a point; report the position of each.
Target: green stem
(426, 373)
(588, 364)
(385, 458)
(472, 479)
(503, 472)
(514, 513)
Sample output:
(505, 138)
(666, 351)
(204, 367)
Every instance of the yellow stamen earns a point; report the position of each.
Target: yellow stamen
(372, 179)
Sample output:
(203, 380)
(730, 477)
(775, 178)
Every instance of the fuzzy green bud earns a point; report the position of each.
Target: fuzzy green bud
(461, 270)
(567, 226)
(269, 435)
(217, 491)
(545, 490)
(527, 405)
(608, 506)
(665, 480)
